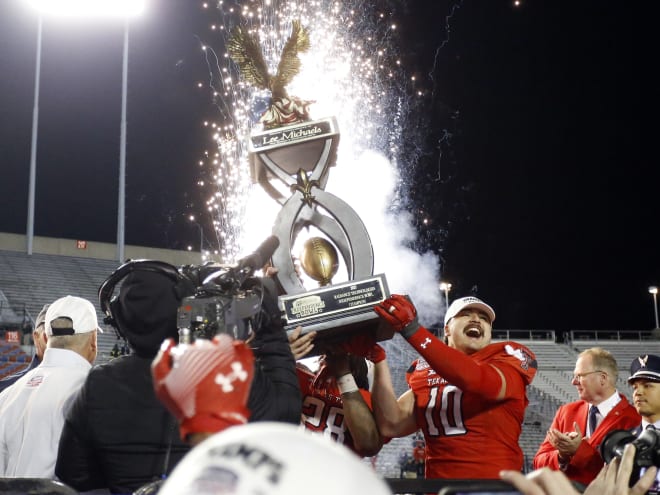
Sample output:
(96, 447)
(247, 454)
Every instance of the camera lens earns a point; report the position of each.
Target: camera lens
(614, 443)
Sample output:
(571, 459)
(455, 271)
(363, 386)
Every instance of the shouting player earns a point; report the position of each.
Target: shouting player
(467, 396)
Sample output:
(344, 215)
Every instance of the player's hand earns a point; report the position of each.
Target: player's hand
(336, 361)
(364, 345)
(205, 385)
(400, 313)
(301, 345)
(269, 270)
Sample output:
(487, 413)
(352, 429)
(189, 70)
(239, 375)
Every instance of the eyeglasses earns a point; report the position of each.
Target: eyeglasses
(579, 376)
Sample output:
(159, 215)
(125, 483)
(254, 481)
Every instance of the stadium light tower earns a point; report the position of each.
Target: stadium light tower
(82, 8)
(446, 287)
(653, 290)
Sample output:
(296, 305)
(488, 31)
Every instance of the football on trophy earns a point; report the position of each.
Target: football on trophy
(319, 260)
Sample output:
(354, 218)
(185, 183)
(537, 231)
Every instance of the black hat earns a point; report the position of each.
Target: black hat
(146, 310)
(645, 367)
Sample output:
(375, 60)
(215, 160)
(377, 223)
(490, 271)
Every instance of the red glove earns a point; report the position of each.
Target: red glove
(364, 345)
(400, 313)
(204, 384)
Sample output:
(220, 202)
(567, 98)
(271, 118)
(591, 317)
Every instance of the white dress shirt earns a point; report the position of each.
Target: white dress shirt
(604, 409)
(646, 423)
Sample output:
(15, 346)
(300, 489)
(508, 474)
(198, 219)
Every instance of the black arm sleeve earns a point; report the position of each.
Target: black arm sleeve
(275, 393)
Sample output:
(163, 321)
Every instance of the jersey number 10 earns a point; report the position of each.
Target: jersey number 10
(452, 424)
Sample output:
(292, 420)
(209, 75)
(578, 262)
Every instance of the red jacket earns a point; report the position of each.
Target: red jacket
(586, 463)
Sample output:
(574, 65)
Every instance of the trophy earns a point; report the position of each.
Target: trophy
(297, 151)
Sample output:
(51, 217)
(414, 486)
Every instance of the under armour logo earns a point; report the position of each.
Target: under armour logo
(426, 342)
(643, 360)
(237, 373)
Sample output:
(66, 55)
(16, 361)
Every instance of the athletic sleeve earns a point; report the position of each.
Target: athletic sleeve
(518, 366)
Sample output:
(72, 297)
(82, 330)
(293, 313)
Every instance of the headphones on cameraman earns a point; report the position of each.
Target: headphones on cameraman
(183, 287)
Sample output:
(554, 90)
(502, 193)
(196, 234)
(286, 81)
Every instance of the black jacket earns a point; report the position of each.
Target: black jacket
(275, 392)
(117, 434)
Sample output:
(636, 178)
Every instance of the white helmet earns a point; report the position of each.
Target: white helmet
(272, 459)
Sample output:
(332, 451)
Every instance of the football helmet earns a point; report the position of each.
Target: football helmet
(272, 458)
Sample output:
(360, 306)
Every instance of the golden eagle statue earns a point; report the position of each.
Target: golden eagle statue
(245, 50)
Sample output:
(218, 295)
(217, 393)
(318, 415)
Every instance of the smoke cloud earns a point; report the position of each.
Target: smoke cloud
(368, 185)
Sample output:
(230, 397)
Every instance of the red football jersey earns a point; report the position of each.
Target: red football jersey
(322, 409)
(468, 436)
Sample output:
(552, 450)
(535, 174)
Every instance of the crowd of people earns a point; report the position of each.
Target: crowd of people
(229, 415)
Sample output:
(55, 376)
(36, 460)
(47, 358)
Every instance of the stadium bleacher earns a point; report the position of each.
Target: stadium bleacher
(12, 359)
(29, 282)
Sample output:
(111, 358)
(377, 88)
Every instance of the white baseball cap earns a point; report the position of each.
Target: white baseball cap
(468, 302)
(272, 458)
(80, 311)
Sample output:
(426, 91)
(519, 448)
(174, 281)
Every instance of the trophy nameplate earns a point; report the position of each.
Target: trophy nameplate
(338, 309)
(281, 152)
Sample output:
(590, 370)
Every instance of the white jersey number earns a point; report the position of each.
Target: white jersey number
(329, 419)
(451, 397)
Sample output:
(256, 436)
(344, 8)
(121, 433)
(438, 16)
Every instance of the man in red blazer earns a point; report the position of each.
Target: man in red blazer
(572, 442)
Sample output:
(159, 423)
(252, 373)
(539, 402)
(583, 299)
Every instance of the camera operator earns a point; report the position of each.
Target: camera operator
(274, 394)
(119, 434)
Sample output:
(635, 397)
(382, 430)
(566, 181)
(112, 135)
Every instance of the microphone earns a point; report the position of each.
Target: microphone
(246, 266)
(258, 258)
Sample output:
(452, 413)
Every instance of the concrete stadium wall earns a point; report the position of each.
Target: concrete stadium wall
(97, 250)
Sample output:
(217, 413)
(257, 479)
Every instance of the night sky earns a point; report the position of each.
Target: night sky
(538, 176)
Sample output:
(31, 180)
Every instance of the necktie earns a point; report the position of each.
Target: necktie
(593, 420)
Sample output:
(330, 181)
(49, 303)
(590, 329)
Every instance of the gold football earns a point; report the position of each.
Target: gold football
(319, 260)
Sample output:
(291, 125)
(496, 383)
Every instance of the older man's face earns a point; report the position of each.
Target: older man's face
(589, 381)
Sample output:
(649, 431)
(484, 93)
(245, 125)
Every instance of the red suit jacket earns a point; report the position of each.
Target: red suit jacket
(586, 463)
